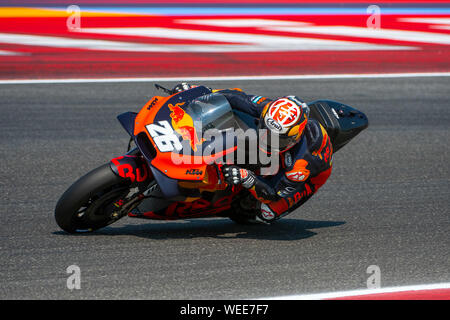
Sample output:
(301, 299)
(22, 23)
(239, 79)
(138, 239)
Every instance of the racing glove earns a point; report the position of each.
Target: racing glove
(235, 175)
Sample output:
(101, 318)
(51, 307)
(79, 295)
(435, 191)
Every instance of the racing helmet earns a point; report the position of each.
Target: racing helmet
(282, 124)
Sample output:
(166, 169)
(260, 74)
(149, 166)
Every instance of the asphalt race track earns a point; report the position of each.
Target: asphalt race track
(386, 203)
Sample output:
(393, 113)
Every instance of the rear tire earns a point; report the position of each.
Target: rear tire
(88, 204)
(240, 215)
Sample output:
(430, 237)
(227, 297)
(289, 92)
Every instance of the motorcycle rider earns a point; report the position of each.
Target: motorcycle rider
(303, 145)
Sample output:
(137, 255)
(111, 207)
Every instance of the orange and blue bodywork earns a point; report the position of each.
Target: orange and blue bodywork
(195, 172)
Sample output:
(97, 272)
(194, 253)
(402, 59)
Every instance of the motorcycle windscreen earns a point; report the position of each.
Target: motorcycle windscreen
(214, 121)
(213, 111)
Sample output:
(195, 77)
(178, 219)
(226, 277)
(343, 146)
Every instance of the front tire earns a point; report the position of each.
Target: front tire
(88, 204)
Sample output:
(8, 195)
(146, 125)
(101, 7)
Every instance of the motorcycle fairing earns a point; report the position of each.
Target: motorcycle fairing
(216, 205)
(164, 113)
(169, 186)
(127, 119)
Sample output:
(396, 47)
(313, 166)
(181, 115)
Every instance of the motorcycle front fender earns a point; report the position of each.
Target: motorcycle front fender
(133, 168)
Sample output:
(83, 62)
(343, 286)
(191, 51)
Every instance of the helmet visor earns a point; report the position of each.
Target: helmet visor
(270, 141)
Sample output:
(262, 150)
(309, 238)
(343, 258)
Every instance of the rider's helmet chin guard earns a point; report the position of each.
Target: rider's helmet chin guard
(282, 124)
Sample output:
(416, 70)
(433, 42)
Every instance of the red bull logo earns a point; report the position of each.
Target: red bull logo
(184, 125)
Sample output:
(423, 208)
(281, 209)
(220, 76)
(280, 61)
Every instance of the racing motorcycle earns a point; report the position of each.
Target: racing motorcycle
(146, 182)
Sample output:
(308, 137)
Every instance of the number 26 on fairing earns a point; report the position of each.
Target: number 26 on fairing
(164, 136)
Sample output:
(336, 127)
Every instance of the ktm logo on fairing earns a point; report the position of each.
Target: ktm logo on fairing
(152, 103)
(184, 125)
(194, 172)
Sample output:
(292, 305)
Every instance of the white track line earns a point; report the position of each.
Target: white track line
(388, 34)
(426, 20)
(239, 42)
(233, 78)
(243, 23)
(10, 53)
(341, 294)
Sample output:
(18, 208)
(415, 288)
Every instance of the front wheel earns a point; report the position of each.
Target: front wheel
(90, 203)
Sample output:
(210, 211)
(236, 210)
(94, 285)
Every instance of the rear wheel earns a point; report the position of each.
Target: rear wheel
(244, 216)
(92, 201)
